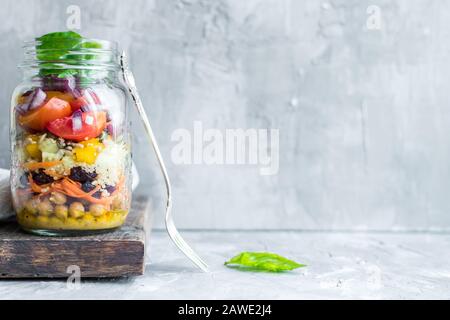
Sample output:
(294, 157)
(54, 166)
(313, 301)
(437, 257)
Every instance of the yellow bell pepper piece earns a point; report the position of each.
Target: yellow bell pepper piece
(88, 151)
(32, 148)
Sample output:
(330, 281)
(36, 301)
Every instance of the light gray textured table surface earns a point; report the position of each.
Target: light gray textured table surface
(340, 266)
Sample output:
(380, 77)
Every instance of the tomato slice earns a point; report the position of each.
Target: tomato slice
(38, 119)
(78, 103)
(92, 125)
(89, 100)
(60, 95)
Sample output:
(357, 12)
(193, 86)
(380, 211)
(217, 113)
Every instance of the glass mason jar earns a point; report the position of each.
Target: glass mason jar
(70, 138)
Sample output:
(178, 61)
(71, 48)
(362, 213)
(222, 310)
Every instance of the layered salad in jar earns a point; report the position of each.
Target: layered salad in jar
(71, 150)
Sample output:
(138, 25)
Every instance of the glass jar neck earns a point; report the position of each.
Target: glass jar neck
(83, 60)
(82, 77)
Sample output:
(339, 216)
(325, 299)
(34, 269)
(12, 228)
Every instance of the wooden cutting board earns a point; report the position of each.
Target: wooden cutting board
(115, 254)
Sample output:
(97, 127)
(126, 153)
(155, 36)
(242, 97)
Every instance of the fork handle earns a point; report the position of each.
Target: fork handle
(170, 225)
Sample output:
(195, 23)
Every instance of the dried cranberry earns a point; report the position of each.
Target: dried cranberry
(110, 189)
(87, 186)
(80, 175)
(97, 195)
(40, 177)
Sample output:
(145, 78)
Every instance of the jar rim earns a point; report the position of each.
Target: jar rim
(84, 53)
(108, 43)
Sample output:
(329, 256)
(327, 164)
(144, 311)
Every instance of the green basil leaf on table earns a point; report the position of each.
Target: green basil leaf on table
(262, 261)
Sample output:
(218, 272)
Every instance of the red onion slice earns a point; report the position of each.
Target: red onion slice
(37, 99)
(71, 87)
(34, 100)
(89, 120)
(22, 108)
(68, 84)
(77, 121)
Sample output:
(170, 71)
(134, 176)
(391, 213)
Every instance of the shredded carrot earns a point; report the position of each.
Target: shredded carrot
(73, 189)
(39, 165)
(119, 185)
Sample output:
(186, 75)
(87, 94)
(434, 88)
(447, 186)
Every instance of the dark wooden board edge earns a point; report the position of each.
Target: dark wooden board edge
(116, 254)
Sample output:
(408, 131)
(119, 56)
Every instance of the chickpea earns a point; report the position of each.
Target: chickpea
(45, 208)
(76, 210)
(58, 198)
(117, 203)
(31, 206)
(61, 211)
(97, 210)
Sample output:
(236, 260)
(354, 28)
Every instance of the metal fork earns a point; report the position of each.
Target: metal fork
(170, 225)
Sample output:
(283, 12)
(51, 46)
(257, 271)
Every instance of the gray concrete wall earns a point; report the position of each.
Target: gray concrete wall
(363, 114)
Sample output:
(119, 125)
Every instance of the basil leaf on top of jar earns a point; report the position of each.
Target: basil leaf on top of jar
(70, 137)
